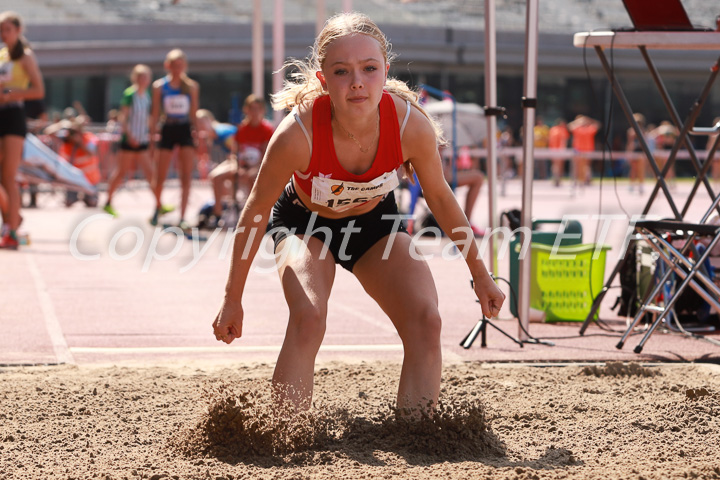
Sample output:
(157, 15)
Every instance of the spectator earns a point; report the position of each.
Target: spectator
(251, 141)
(215, 138)
(583, 130)
(215, 141)
(541, 138)
(221, 136)
(176, 97)
(558, 137)
(506, 139)
(21, 80)
(113, 121)
(79, 148)
(466, 177)
(133, 124)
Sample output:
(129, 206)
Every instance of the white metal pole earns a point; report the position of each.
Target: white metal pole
(320, 15)
(491, 101)
(278, 53)
(529, 103)
(258, 60)
(347, 5)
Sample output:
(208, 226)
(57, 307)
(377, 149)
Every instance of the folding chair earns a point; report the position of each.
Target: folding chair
(685, 263)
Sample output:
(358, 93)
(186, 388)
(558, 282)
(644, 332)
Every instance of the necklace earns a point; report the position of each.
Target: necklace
(354, 139)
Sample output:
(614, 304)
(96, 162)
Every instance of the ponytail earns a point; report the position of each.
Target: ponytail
(185, 84)
(18, 50)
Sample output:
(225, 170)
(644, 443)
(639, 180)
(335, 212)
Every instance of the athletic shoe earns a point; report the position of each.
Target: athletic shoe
(9, 241)
(154, 219)
(184, 226)
(166, 209)
(109, 209)
(211, 222)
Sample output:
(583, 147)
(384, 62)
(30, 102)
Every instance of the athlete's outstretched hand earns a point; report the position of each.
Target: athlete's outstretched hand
(228, 322)
(490, 296)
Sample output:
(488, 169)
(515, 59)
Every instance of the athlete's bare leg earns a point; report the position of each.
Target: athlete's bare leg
(11, 148)
(163, 166)
(307, 278)
(186, 163)
(404, 288)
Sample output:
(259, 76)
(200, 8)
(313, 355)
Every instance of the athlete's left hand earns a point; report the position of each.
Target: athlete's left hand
(490, 296)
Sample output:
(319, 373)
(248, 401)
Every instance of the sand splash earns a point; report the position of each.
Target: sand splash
(244, 425)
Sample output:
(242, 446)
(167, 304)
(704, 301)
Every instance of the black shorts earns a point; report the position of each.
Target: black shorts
(176, 134)
(12, 121)
(124, 145)
(291, 217)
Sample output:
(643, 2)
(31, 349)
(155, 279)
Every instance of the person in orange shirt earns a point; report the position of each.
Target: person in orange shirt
(583, 130)
(79, 148)
(558, 139)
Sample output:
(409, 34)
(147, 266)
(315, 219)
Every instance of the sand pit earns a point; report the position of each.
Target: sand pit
(496, 421)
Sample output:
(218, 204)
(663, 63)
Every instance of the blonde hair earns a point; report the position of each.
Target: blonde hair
(304, 87)
(177, 54)
(18, 50)
(640, 119)
(204, 113)
(138, 70)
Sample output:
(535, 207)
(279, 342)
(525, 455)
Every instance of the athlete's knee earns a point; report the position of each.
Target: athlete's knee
(422, 328)
(307, 325)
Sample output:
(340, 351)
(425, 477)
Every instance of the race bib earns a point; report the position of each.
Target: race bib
(251, 156)
(6, 72)
(177, 105)
(341, 195)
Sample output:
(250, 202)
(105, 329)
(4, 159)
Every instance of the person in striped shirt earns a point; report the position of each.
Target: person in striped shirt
(135, 131)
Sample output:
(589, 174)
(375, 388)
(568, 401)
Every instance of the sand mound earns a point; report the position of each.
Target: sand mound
(619, 369)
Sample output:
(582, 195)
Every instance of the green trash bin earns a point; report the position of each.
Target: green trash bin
(572, 231)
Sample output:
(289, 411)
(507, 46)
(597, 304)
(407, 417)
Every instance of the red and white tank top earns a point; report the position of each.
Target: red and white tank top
(327, 183)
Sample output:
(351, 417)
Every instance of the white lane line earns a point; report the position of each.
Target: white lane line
(221, 349)
(52, 325)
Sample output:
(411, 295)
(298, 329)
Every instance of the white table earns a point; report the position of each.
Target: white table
(649, 40)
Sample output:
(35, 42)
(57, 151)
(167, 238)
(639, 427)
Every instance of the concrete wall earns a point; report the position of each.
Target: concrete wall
(72, 49)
